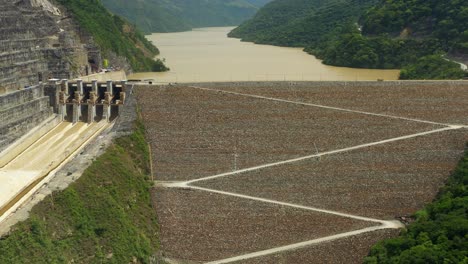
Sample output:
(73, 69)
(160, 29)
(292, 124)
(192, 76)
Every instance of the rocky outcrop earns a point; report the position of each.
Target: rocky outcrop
(45, 5)
(39, 41)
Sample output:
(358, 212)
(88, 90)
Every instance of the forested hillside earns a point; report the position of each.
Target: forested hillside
(179, 15)
(384, 34)
(444, 20)
(114, 34)
(413, 35)
(300, 22)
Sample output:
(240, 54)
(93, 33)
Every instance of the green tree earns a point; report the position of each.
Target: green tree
(114, 34)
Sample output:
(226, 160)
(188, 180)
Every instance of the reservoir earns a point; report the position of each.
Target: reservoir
(208, 55)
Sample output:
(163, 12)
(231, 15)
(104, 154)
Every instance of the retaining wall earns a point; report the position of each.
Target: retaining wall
(20, 112)
(20, 97)
(128, 114)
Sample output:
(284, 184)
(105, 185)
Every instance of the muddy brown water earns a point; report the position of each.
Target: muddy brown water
(208, 55)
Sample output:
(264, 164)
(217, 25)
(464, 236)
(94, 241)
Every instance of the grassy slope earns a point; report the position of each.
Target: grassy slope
(105, 216)
(440, 233)
(113, 34)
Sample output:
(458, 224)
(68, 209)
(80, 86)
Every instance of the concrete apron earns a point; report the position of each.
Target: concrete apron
(30, 163)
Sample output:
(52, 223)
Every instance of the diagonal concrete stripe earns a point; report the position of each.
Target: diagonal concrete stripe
(318, 155)
(388, 224)
(297, 245)
(383, 224)
(326, 107)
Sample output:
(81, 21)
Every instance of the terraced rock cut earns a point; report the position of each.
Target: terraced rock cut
(282, 173)
(38, 42)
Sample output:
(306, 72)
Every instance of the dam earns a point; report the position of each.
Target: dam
(87, 102)
(45, 126)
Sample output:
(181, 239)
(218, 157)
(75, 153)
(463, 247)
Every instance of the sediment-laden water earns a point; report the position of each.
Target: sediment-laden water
(207, 54)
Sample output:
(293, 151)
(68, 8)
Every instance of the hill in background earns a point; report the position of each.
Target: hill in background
(413, 35)
(181, 15)
(300, 23)
(114, 35)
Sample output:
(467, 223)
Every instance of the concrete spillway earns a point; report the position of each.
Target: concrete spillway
(24, 172)
(87, 102)
(38, 41)
(45, 126)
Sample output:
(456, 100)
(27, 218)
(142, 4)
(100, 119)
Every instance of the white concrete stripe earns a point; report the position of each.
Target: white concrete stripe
(296, 246)
(325, 106)
(258, 199)
(322, 154)
(383, 224)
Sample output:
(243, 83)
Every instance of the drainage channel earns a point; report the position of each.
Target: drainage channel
(31, 169)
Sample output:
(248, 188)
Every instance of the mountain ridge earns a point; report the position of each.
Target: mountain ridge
(394, 33)
(183, 15)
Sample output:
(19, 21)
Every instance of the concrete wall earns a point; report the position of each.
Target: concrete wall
(20, 112)
(128, 114)
(20, 97)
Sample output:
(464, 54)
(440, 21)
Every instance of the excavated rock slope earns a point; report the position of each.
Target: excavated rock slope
(39, 41)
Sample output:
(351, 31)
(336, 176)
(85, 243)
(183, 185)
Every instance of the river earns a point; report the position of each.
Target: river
(208, 55)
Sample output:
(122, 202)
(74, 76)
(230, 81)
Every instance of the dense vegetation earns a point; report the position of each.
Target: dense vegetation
(443, 20)
(432, 67)
(352, 49)
(181, 15)
(105, 216)
(394, 33)
(113, 34)
(399, 33)
(299, 23)
(440, 232)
